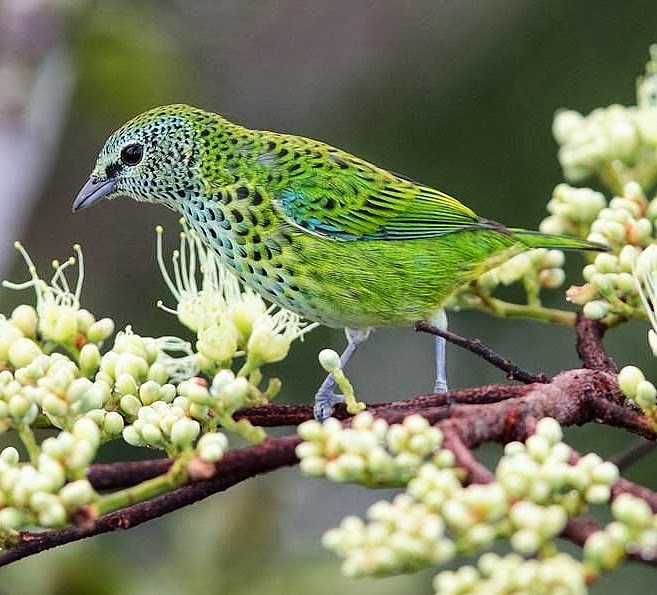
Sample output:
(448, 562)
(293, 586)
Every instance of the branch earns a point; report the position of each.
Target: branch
(236, 466)
(589, 345)
(512, 371)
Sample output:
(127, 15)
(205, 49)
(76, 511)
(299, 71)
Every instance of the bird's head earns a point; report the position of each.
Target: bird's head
(151, 158)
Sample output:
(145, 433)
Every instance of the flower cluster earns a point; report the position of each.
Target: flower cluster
(499, 575)
(633, 530)
(370, 452)
(147, 390)
(229, 320)
(400, 536)
(534, 493)
(48, 491)
(610, 142)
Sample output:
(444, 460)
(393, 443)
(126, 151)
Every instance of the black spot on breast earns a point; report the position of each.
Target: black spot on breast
(241, 192)
(257, 198)
(237, 215)
(282, 152)
(256, 239)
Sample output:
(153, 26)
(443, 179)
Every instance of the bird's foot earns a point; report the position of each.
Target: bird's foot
(324, 403)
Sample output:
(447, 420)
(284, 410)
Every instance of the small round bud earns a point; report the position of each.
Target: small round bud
(184, 431)
(596, 309)
(212, 446)
(329, 360)
(113, 424)
(629, 379)
(130, 405)
(22, 352)
(77, 493)
(25, 318)
(100, 330)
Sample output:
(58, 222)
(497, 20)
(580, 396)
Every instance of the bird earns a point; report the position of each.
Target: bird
(311, 227)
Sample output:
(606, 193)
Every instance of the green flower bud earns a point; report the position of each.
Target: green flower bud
(152, 435)
(329, 360)
(84, 320)
(526, 542)
(313, 466)
(130, 405)
(596, 309)
(85, 429)
(597, 494)
(158, 373)
(149, 392)
(25, 318)
(126, 384)
(113, 424)
(76, 494)
(184, 431)
(212, 446)
(10, 456)
(632, 511)
(132, 437)
(265, 344)
(629, 379)
(54, 406)
(646, 395)
(22, 352)
(311, 430)
(89, 359)
(53, 516)
(12, 518)
(132, 365)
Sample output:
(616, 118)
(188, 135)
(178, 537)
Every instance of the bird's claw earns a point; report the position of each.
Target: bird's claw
(324, 403)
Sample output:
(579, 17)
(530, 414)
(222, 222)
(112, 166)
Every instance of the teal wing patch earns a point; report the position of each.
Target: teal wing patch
(350, 199)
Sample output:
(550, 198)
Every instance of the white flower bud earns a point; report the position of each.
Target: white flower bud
(184, 431)
(22, 352)
(25, 318)
(629, 379)
(77, 493)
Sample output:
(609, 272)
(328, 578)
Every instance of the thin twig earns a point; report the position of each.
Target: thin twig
(512, 371)
(633, 454)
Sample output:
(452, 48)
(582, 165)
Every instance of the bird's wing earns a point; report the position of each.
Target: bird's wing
(350, 199)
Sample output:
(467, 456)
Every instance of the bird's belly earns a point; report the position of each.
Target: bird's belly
(360, 284)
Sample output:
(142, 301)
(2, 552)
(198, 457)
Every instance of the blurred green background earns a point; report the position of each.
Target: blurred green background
(457, 94)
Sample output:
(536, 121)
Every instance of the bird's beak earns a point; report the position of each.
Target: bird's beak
(92, 192)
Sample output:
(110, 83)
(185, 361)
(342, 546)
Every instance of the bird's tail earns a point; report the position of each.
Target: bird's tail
(536, 239)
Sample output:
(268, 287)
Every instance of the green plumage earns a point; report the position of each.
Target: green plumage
(311, 227)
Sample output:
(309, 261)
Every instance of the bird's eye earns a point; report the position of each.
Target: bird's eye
(132, 154)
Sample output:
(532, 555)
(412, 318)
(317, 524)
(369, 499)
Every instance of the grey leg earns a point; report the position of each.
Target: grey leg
(326, 398)
(440, 320)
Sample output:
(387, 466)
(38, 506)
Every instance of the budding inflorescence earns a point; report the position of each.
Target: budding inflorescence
(536, 489)
(144, 389)
(370, 451)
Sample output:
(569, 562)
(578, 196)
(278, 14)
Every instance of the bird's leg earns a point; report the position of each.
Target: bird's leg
(440, 320)
(326, 398)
